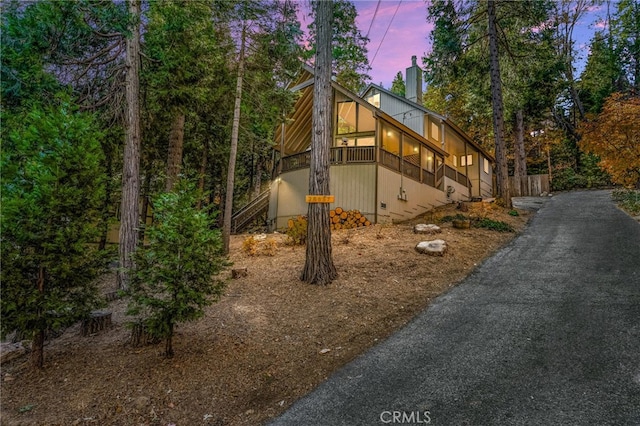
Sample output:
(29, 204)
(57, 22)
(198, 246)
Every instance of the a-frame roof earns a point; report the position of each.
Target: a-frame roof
(297, 135)
(415, 105)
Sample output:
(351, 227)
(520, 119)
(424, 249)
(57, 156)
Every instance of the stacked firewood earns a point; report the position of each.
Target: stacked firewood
(347, 219)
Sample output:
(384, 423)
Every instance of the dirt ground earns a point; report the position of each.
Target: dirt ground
(270, 340)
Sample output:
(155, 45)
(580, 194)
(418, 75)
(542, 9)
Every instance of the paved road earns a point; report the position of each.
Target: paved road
(546, 332)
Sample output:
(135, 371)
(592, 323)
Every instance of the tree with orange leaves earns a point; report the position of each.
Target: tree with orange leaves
(614, 136)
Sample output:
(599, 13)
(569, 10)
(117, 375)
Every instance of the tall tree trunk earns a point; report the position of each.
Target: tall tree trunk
(319, 267)
(202, 172)
(129, 212)
(176, 144)
(502, 177)
(520, 155)
(146, 190)
(233, 151)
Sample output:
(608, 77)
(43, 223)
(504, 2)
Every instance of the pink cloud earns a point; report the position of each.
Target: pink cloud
(406, 35)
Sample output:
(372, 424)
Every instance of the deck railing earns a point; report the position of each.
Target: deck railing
(337, 155)
(367, 154)
(455, 175)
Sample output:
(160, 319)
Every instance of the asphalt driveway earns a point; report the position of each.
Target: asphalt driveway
(546, 332)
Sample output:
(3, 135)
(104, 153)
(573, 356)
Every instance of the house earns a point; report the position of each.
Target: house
(391, 158)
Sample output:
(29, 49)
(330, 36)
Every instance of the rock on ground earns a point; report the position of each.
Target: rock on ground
(423, 228)
(433, 248)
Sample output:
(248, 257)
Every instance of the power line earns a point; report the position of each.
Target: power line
(373, 19)
(385, 33)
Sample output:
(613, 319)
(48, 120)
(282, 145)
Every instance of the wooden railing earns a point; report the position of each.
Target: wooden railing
(367, 154)
(453, 174)
(251, 211)
(296, 161)
(337, 155)
(353, 154)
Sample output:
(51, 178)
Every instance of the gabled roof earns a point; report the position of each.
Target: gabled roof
(300, 122)
(415, 105)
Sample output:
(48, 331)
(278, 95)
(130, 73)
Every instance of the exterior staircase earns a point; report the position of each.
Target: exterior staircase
(249, 213)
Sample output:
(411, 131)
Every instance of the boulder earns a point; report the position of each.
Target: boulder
(433, 248)
(429, 229)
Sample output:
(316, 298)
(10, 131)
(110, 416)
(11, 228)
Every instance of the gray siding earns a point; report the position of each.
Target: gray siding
(413, 119)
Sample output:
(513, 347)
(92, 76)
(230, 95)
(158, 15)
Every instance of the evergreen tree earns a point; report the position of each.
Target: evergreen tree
(176, 273)
(601, 75)
(397, 85)
(349, 46)
(51, 194)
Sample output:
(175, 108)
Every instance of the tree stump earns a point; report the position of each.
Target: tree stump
(239, 273)
(140, 335)
(97, 321)
(461, 223)
(111, 296)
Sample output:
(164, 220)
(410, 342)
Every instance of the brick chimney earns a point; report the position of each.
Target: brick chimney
(413, 88)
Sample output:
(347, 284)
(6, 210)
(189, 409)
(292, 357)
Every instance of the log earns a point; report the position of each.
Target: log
(339, 210)
(97, 321)
(332, 213)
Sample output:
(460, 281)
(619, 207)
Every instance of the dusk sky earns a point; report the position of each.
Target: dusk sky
(407, 34)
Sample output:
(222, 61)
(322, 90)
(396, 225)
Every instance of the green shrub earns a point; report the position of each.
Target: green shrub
(628, 199)
(458, 216)
(514, 213)
(494, 225)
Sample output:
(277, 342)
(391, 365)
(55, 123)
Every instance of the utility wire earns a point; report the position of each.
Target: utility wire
(385, 33)
(373, 19)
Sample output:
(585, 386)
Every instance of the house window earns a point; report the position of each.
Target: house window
(391, 139)
(434, 132)
(346, 117)
(455, 160)
(366, 141)
(366, 121)
(485, 164)
(411, 150)
(374, 100)
(466, 160)
(427, 159)
(344, 141)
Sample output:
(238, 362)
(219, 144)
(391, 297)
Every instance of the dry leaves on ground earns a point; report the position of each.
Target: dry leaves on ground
(269, 341)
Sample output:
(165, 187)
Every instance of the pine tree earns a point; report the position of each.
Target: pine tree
(397, 85)
(176, 273)
(51, 194)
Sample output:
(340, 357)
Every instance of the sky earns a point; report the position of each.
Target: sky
(400, 30)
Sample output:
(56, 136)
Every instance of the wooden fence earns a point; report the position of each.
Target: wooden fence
(532, 186)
